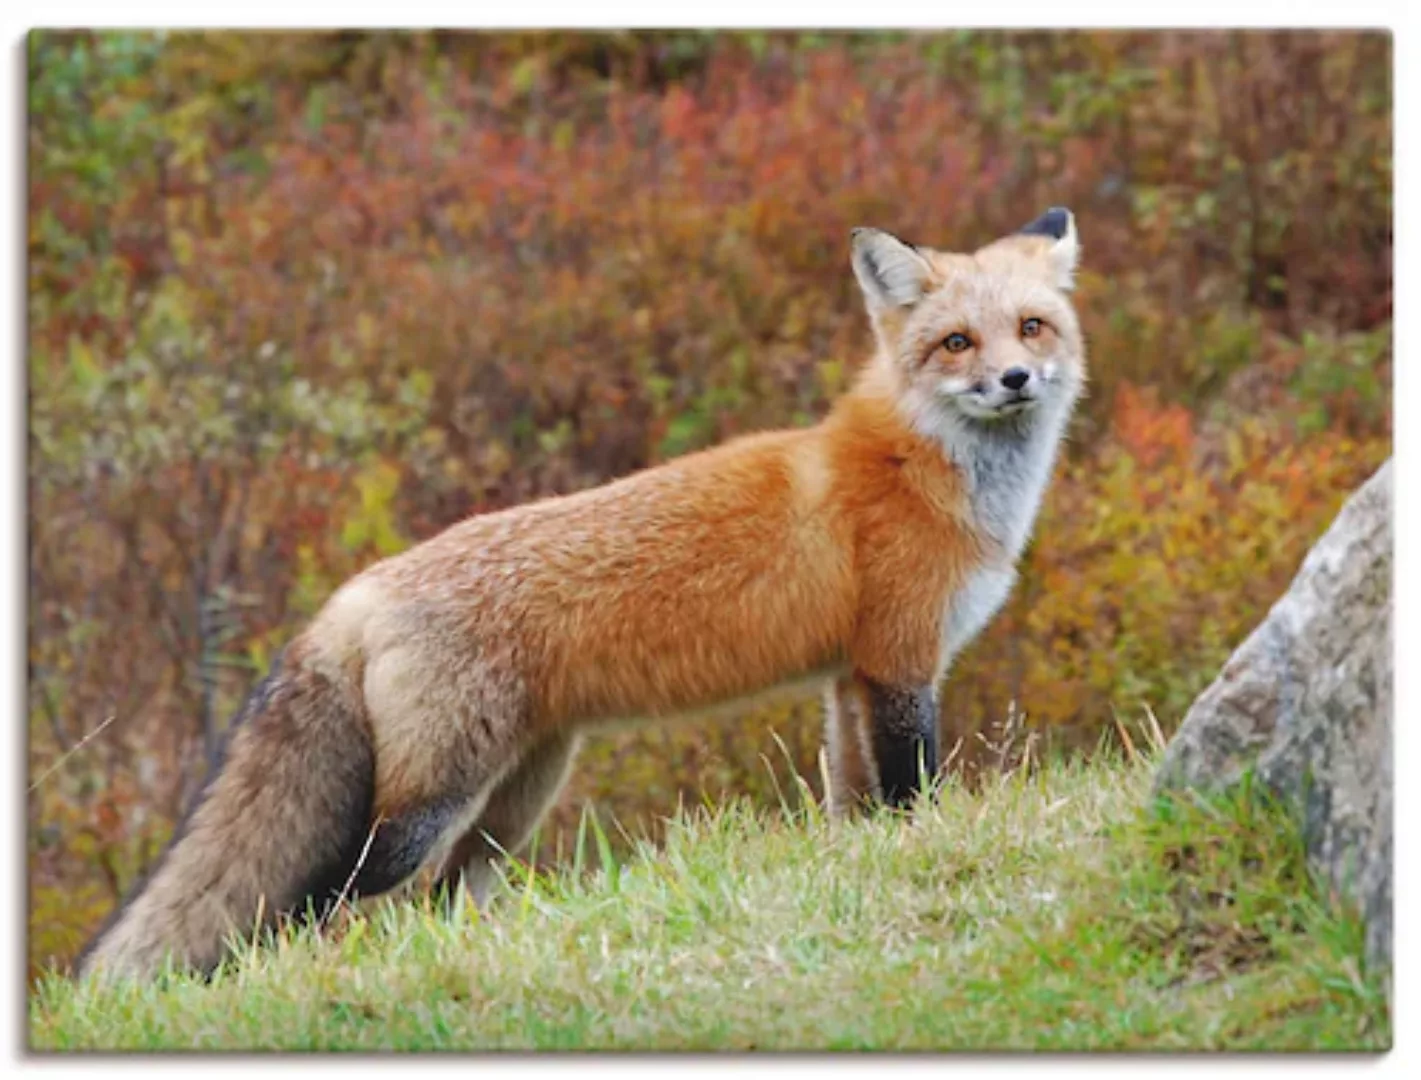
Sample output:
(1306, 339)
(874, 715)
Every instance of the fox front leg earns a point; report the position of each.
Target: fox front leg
(881, 739)
(903, 727)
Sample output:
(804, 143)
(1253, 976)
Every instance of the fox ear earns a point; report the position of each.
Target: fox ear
(890, 272)
(1058, 224)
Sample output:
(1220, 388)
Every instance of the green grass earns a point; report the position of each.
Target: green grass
(1061, 910)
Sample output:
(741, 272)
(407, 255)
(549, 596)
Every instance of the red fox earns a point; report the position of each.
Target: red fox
(430, 712)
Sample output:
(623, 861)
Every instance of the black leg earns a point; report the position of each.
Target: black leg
(904, 739)
(401, 844)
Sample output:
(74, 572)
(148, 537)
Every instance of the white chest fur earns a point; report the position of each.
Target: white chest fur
(1006, 469)
(970, 608)
(1006, 473)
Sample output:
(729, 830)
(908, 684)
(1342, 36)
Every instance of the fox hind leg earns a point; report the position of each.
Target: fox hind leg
(516, 805)
(447, 735)
(396, 848)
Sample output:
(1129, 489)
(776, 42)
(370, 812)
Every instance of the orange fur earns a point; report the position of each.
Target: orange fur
(860, 553)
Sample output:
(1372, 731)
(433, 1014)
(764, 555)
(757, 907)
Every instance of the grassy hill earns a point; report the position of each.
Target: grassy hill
(1059, 909)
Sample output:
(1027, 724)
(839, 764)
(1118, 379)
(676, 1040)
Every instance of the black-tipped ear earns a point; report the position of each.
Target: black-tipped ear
(890, 272)
(1055, 223)
(1058, 224)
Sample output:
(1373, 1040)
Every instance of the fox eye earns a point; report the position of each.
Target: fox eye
(957, 343)
(1030, 327)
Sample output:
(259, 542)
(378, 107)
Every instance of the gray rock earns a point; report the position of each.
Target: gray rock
(1307, 700)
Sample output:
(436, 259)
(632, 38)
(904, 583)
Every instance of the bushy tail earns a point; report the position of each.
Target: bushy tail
(280, 823)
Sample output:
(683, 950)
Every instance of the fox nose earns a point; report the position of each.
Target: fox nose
(1015, 378)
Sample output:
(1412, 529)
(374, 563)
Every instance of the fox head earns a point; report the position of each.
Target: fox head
(983, 337)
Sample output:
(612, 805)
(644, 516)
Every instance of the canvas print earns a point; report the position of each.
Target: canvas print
(709, 541)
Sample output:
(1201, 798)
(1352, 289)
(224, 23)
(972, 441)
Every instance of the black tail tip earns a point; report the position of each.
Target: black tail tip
(1053, 223)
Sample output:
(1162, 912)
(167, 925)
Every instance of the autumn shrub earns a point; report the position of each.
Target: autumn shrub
(297, 301)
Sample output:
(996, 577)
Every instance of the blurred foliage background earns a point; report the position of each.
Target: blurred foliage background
(299, 300)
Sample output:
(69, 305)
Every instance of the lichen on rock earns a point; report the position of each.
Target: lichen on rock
(1306, 703)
